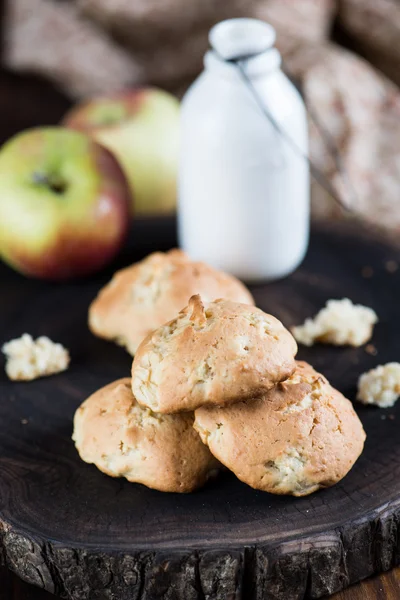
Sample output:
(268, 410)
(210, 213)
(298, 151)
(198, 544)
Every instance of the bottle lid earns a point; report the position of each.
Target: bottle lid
(236, 39)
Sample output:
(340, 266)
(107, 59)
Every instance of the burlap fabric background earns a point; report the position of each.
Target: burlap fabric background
(94, 46)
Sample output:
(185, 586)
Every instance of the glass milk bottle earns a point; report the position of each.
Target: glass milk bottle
(244, 179)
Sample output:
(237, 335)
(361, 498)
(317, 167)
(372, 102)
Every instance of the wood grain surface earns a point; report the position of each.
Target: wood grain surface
(77, 533)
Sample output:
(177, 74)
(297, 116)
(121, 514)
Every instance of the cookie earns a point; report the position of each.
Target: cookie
(147, 294)
(300, 436)
(164, 452)
(215, 354)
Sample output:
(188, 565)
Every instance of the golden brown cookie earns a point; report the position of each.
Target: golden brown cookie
(146, 295)
(164, 452)
(216, 354)
(300, 436)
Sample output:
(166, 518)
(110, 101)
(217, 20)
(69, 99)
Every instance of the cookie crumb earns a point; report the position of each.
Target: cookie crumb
(380, 386)
(370, 349)
(367, 272)
(340, 323)
(391, 266)
(24, 421)
(28, 359)
(391, 417)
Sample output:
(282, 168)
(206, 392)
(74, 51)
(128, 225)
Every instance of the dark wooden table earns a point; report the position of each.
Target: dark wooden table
(25, 102)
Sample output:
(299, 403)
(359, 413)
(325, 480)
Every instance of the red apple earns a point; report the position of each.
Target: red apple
(64, 204)
(141, 128)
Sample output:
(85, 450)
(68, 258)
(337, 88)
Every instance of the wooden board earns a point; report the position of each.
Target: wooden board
(68, 528)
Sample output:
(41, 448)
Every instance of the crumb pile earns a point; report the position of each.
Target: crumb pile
(380, 386)
(28, 359)
(340, 323)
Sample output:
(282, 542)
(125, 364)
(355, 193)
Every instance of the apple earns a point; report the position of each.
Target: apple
(141, 127)
(64, 204)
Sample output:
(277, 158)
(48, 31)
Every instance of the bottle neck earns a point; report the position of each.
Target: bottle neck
(255, 66)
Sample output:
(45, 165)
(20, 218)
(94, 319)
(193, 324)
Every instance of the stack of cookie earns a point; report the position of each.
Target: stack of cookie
(218, 385)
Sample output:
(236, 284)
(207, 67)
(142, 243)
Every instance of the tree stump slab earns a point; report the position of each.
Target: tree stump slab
(73, 531)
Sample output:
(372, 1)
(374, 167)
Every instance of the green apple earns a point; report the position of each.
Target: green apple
(64, 204)
(141, 127)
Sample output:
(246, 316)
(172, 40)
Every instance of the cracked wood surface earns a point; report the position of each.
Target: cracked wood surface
(69, 529)
(381, 587)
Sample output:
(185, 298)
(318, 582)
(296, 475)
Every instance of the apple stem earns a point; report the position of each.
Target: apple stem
(54, 183)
